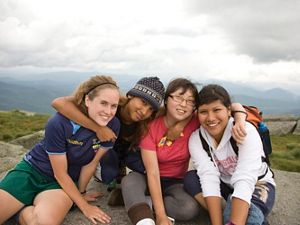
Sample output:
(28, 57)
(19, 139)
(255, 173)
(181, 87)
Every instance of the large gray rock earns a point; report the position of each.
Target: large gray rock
(30, 140)
(297, 129)
(9, 155)
(281, 127)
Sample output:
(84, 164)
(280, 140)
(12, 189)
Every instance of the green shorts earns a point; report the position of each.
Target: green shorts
(24, 182)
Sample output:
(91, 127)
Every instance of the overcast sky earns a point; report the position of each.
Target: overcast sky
(235, 40)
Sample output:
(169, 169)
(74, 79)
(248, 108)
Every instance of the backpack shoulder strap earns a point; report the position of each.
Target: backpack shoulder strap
(204, 143)
(234, 146)
(206, 147)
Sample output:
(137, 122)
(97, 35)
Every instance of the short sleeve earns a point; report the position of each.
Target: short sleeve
(148, 142)
(55, 135)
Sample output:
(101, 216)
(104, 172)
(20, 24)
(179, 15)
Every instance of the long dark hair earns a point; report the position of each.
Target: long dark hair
(141, 126)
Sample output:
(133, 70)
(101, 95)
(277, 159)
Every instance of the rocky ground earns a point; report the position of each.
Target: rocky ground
(285, 212)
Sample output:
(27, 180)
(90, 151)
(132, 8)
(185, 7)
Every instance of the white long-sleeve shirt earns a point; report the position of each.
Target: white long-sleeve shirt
(240, 172)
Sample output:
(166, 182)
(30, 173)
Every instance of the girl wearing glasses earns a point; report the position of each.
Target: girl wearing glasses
(166, 158)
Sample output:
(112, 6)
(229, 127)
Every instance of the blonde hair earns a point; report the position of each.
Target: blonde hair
(90, 88)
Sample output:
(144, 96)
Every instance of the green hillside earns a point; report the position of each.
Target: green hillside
(14, 124)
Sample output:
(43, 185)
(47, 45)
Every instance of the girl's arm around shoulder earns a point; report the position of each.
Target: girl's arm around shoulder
(66, 106)
(239, 130)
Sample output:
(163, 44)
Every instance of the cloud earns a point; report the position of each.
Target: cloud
(231, 40)
(268, 31)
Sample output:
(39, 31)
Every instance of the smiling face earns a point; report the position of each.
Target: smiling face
(137, 109)
(179, 105)
(103, 107)
(214, 118)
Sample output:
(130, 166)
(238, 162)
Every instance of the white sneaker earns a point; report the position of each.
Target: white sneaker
(146, 221)
(97, 173)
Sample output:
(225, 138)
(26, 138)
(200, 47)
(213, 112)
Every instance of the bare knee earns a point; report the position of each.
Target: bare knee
(31, 216)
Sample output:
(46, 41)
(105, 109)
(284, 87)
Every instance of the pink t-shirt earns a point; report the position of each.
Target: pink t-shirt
(173, 161)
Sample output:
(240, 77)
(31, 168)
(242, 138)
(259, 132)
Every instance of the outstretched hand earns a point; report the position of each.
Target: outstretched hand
(95, 214)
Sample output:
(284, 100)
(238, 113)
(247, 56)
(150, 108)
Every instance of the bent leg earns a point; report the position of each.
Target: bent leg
(134, 186)
(9, 205)
(263, 199)
(179, 204)
(49, 207)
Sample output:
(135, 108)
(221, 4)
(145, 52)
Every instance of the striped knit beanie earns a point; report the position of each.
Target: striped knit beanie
(150, 89)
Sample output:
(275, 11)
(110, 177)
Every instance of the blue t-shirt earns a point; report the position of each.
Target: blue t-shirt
(63, 136)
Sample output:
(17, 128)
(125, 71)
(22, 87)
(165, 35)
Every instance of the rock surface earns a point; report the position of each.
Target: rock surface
(29, 140)
(286, 210)
(283, 124)
(297, 129)
(281, 127)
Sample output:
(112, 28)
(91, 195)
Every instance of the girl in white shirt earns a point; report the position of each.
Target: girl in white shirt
(243, 179)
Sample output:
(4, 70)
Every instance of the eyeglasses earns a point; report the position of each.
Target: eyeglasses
(180, 99)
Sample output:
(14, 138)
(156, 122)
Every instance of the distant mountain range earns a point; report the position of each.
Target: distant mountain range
(35, 93)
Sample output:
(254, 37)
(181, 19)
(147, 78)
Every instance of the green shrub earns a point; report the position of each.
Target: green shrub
(14, 124)
(285, 164)
(6, 137)
(286, 153)
(295, 153)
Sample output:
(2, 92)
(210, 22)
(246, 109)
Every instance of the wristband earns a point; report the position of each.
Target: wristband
(239, 111)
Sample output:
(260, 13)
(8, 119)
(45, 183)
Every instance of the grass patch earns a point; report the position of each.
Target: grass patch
(14, 124)
(286, 153)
